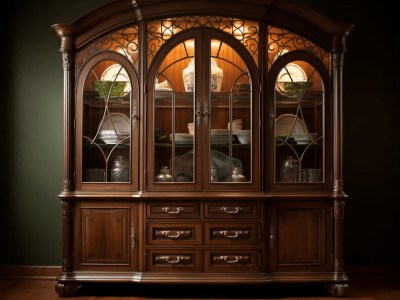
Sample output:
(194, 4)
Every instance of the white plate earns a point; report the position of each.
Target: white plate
(182, 137)
(290, 73)
(288, 123)
(111, 74)
(119, 123)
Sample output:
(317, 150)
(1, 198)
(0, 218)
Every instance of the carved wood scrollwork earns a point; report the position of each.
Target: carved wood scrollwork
(66, 209)
(338, 209)
(337, 186)
(67, 185)
(338, 61)
(67, 60)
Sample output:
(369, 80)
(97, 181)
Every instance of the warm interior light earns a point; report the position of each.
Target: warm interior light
(238, 28)
(167, 27)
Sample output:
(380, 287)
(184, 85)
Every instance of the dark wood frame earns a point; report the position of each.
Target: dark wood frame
(258, 203)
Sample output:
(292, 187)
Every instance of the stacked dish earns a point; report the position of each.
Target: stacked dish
(304, 138)
(235, 124)
(181, 138)
(243, 136)
(114, 128)
(289, 125)
(220, 136)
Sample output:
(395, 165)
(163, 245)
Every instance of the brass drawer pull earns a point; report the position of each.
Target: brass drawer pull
(175, 234)
(173, 211)
(229, 259)
(231, 234)
(228, 210)
(173, 259)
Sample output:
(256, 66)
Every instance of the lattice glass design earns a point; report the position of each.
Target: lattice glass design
(247, 32)
(281, 41)
(299, 125)
(124, 41)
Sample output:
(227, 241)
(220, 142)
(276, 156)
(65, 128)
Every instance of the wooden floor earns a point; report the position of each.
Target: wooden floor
(43, 289)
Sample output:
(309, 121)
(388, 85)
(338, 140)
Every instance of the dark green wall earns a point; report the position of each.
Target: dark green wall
(32, 137)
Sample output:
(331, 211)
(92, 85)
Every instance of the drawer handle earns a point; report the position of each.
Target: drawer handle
(173, 260)
(173, 234)
(232, 259)
(231, 211)
(173, 211)
(231, 234)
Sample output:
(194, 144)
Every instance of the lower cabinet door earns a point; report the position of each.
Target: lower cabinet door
(300, 236)
(105, 236)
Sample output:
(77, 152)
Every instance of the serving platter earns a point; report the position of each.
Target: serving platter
(116, 72)
(289, 125)
(290, 73)
(117, 122)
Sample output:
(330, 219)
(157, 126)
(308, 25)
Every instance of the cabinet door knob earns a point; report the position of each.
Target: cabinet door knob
(272, 240)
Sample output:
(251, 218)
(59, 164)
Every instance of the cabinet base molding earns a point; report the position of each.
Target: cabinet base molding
(204, 278)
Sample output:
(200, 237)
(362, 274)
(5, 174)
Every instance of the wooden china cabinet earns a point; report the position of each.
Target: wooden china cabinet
(203, 147)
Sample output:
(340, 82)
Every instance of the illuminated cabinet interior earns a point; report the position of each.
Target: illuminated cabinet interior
(202, 148)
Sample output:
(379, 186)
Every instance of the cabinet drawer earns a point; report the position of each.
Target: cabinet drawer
(174, 234)
(231, 209)
(232, 234)
(174, 210)
(174, 260)
(223, 260)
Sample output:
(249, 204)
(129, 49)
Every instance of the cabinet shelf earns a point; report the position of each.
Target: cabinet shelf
(310, 99)
(99, 102)
(103, 145)
(186, 99)
(214, 145)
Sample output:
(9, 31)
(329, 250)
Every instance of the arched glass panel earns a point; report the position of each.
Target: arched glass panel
(229, 115)
(174, 104)
(107, 122)
(299, 99)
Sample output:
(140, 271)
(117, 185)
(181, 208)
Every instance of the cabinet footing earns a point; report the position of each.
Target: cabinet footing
(67, 289)
(337, 289)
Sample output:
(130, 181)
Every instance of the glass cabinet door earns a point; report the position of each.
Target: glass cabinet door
(107, 117)
(301, 130)
(228, 116)
(173, 131)
(201, 104)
